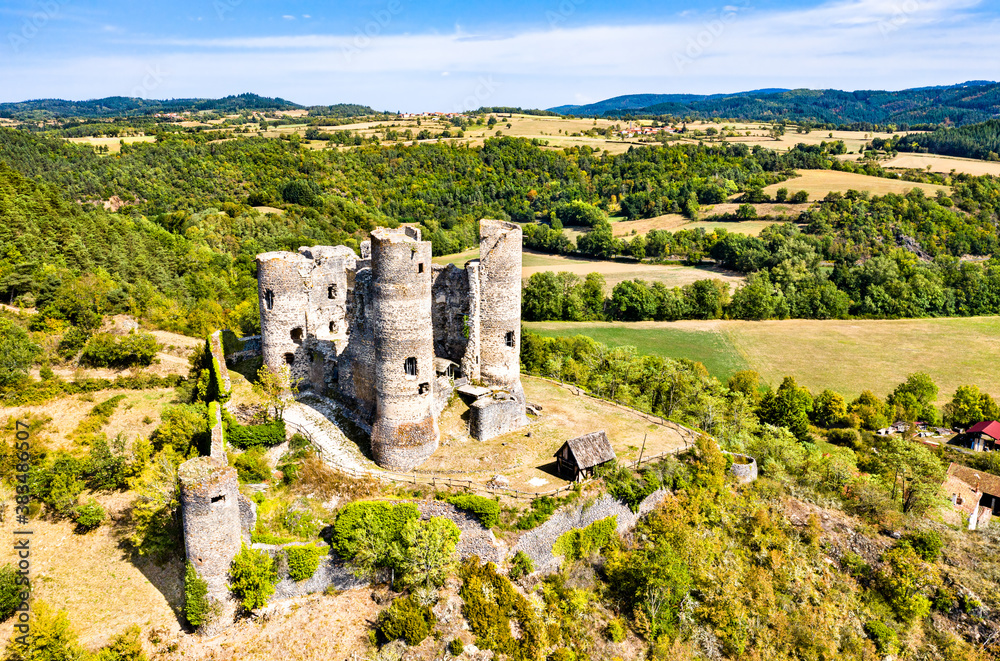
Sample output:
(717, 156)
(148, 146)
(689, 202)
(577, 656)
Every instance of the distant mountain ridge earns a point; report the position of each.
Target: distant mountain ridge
(118, 106)
(965, 103)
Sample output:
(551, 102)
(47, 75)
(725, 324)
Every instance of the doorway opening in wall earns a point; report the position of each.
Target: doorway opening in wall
(420, 267)
(296, 334)
(331, 326)
(424, 388)
(410, 366)
(331, 291)
(290, 358)
(510, 338)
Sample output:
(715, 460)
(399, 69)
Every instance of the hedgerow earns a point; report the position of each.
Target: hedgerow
(106, 350)
(250, 436)
(486, 510)
(303, 561)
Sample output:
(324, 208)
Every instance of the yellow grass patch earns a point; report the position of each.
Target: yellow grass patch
(527, 461)
(943, 164)
(820, 182)
(113, 144)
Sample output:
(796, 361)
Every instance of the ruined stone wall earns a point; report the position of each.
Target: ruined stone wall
(356, 355)
(450, 311)
(471, 361)
(213, 521)
(491, 416)
(405, 432)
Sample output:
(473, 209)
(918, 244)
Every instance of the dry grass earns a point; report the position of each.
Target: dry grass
(93, 578)
(128, 419)
(820, 182)
(527, 461)
(113, 144)
(672, 275)
(674, 222)
(943, 164)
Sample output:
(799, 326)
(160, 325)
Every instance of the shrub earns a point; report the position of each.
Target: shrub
(926, 543)
(385, 520)
(490, 604)
(125, 646)
(89, 516)
(303, 561)
(848, 438)
(455, 647)
(486, 510)
(13, 587)
(252, 577)
(252, 466)
(406, 619)
(580, 543)
(51, 638)
(880, 634)
(196, 604)
(855, 565)
(73, 340)
(521, 566)
(106, 350)
(251, 436)
(615, 631)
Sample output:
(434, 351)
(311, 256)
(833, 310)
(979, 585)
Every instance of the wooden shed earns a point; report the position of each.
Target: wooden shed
(578, 457)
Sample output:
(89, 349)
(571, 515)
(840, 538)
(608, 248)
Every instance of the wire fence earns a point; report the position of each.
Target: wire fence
(435, 480)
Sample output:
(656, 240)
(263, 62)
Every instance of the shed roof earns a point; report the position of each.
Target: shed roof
(989, 427)
(984, 482)
(591, 449)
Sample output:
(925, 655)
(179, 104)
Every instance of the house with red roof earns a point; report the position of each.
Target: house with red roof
(982, 436)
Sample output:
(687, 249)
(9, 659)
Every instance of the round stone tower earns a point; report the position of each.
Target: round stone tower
(405, 432)
(212, 525)
(283, 285)
(500, 305)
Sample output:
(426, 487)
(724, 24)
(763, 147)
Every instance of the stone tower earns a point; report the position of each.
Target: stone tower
(213, 524)
(303, 297)
(405, 432)
(500, 306)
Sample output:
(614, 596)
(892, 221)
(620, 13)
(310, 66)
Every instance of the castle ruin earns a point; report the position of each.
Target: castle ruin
(391, 335)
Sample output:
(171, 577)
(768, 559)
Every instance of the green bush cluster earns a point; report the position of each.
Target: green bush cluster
(303, 561)
(542, 508)
(406, 619)
(926, 543)
(252, 466)
(615, 631)
(455, 647)
(252, 577)
(486, 510)
(11, 589)
(384, 520)
(580, 543)
(521, 566)
(251, 436)
(490, 604)
(197, 608)
(90, 515)
(107, 350)
(880, 634)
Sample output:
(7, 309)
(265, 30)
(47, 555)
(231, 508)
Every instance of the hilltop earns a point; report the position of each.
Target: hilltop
(966, 103)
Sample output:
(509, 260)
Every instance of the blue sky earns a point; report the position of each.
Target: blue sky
(405, 55)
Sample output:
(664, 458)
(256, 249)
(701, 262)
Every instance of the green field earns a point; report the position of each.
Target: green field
(846, 356)
(715, 350)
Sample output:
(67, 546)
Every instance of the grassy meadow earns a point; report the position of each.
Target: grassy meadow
(847, 356)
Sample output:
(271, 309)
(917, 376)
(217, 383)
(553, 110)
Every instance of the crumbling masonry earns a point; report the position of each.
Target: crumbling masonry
(392, 335)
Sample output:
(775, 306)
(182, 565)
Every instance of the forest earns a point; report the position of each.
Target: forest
(968, 103)
(980, 141)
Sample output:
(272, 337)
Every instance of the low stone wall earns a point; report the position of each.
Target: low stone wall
(332, 572)
(493, 415)
(475, 540)
(538, 543)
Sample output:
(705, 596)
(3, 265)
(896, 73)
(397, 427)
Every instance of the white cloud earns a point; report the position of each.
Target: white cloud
(288, 17)
(849, 44)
